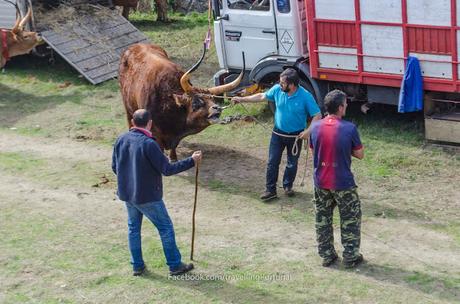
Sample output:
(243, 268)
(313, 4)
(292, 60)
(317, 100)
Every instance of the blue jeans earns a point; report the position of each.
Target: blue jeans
(156, 212)
(277, 146)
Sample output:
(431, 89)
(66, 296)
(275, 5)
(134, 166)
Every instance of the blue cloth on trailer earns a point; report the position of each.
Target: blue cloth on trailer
(411, 93)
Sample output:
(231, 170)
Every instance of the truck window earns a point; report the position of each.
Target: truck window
(254, 5)
(283, 6)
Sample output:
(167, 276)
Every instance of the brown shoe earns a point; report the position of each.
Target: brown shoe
(139, 272)
(289, 192)
(266, 196)
(183, 268)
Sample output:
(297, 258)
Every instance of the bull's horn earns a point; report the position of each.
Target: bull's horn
(229, 86)
(25, 19)
(16, 25)
(185, 83)
(184, 80)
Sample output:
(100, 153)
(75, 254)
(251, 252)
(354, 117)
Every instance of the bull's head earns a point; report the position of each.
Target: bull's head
(201, 107)
(19, 41)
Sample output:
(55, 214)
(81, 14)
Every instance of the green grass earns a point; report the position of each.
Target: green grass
(18, 162)
(452, 229)
(431, 284)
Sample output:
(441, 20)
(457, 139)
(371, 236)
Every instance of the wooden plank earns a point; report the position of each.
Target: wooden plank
(94, 47)
(442, 130)
(107, 42)
(104, 69)
(71, 46)
(101, 70)
(106, 77)
(96, 66)
(447, 116)
(76, 37)
(109, 23)
(98, 61)
(58, 38)
(103, 59)
(88, 32)
(98, 55)
(82, 54)
(106, 23)
(70, 62)
(119, 30)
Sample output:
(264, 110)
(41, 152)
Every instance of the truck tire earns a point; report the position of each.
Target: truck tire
(307, 86)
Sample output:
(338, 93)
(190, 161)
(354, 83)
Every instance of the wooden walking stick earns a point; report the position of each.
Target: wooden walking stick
(197, 168)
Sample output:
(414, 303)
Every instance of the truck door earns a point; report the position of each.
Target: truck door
(246, 26)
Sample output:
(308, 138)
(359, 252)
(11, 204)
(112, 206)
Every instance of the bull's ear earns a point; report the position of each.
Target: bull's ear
(181, 100)
(15, 36)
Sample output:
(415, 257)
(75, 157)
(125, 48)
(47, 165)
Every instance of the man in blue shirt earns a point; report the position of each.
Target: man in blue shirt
(139, 165)
(294, 105)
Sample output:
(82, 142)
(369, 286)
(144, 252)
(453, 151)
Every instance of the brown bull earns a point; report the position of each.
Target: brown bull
(16, 41)
(149, 80)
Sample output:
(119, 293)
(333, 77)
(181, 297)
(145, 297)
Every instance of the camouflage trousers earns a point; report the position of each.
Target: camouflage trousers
(350, 222)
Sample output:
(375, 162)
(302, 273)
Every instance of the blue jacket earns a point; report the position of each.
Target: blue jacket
(411, 93)
(139, 164)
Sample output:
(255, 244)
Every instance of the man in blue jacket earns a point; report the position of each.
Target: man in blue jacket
(139, 164)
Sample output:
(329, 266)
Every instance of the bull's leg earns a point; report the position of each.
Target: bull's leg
(125, 12)
(129, 118)
(173, 154)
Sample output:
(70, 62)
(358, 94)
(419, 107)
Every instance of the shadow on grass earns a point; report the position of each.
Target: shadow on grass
(227, 170)
(231, 172)
(446, 288)
(379, 210)
(42, 70)
(15, 104)
(238, 173)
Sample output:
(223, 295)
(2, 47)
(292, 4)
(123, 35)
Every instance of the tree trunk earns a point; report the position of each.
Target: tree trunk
(161, 7)
(145, 6)
(125, 12)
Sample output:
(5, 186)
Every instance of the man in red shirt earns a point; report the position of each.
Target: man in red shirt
(334, 141)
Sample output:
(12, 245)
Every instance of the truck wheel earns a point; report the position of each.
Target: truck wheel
(307, 86)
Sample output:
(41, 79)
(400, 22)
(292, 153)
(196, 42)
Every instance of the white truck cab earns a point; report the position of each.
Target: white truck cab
(271, 33)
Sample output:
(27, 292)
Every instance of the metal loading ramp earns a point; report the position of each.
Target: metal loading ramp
(90, 38)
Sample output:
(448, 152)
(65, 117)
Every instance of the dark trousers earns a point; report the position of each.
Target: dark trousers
(275, 152)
